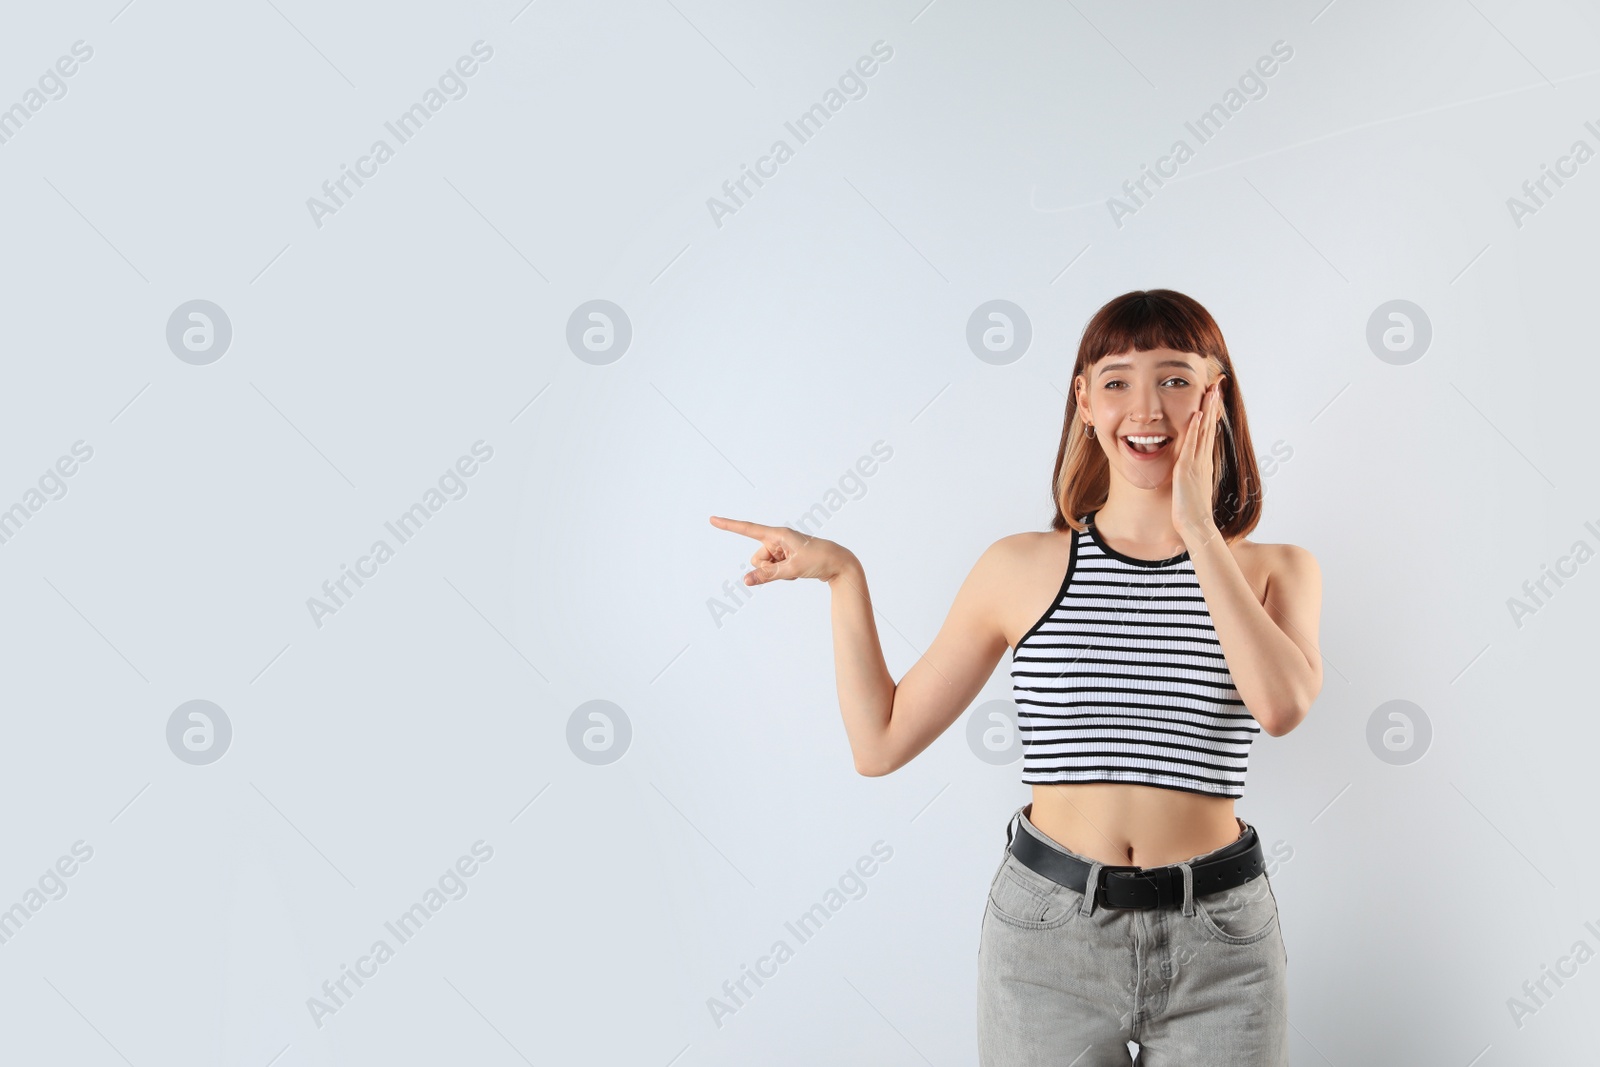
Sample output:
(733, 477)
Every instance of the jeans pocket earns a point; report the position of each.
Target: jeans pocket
(1020, 896)
(1242, 915)
(1281, 943)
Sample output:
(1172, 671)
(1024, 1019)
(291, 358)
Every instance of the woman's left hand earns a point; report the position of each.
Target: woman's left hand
(1193, 499)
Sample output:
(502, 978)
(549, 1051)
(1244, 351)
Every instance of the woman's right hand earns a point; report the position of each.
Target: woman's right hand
(786, 553)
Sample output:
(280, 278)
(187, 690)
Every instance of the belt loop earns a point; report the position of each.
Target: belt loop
(1089, 885)
(1011, 825)
(1188, 888)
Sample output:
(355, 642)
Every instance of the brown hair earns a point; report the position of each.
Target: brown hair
(1141, 321)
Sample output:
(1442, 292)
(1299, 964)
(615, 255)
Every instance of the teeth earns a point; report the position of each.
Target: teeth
(1145, 443)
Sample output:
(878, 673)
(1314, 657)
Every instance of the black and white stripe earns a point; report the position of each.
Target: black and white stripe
(1123, 680)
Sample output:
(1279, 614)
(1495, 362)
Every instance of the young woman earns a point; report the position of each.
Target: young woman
(1151, 643)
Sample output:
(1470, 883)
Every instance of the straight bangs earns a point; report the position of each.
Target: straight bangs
(1145, 325)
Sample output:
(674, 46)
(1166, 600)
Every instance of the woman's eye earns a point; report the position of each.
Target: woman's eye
(1181, 382)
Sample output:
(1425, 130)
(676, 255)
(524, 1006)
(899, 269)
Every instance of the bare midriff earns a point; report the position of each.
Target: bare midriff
(1123, 824)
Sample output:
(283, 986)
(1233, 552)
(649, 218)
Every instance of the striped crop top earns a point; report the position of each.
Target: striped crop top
(1123, 680)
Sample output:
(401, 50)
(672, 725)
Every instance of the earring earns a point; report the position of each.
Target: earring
(1088, 431)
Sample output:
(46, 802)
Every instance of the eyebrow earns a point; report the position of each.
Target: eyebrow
(1123, 364)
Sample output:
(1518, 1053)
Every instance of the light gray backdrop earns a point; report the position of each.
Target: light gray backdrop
(187, 484)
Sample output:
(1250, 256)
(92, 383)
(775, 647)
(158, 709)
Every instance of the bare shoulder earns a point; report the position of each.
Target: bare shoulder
(1003, 564)
(1019, 546)
(1016, 555)
(1291, 561)
(1025, 571)
(1295, 570)
(1270, 568)
(1280, 566)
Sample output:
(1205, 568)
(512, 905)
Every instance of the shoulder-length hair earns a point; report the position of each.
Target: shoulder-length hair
(1140, 321)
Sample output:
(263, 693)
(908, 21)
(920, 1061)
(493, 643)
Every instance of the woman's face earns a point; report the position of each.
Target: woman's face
(1142, 395)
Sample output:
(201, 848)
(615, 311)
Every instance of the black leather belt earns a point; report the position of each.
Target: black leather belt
(1143, 887)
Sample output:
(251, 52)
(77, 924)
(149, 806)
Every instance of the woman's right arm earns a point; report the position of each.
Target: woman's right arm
(889, 724)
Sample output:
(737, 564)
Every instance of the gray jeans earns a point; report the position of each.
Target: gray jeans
(1061, 981)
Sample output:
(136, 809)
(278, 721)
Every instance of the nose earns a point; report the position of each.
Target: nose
(1145, 408)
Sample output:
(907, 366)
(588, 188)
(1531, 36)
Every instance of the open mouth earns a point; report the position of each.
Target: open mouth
(1146, 446)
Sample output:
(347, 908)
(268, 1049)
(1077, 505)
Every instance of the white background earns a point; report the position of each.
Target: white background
(768, 355)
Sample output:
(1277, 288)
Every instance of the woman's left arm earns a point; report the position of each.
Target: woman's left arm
(1271, 648)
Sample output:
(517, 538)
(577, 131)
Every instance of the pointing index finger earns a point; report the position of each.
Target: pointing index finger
(739, 526)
